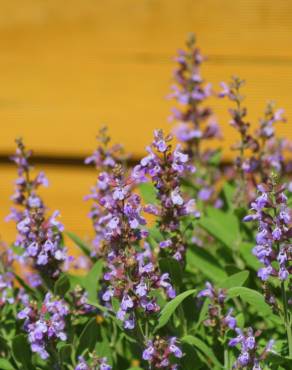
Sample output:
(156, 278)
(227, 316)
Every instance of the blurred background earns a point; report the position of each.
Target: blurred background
(66, 67)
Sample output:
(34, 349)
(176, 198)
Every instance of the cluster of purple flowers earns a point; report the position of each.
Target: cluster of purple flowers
(273, 247)
(190, 91)
(45, 325)
(6, 288)
(80, 301)
(248, 357)
(6, 277)
(247, 142)
(122, 222)
(95, 363)
(260, 152)
(105, 159)
(162, 353)
(196, 123)
(222, 321)
(166, 167)
(217, 316)
(132, 277)
(39, 236)
(132, 271)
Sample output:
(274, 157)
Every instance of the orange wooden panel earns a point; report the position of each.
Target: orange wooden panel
(67, 67)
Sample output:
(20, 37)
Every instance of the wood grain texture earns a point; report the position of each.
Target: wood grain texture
(67, 67)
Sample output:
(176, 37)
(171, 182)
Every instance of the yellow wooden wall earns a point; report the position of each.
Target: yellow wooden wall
(68, 66)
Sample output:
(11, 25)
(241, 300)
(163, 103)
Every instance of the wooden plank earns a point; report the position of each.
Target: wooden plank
(67, 69)
(132, 114)
(225, 27)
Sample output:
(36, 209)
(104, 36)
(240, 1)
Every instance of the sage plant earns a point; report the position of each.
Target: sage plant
(165, 168)
(273, 248)
(39, 236)
(45, 324)
(132, 271)
(196, 126)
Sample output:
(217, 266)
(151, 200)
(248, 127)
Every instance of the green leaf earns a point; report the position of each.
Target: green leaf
(85, 248)
(65, 353)
(234, 280)
(240, 320)
(6, 365)
(77, 280)
(18, 250)
(203, 312)
(170, 308)
(21, 351)
(203, 347)
(92, 280)
(252, 297)
(206, 263)
(279, 360)
(229, 192)
(247, 255)
(24, 285)
(191, 356)
(222, 226)
(155, 234)
(148, 193)
(172, 266)
(88, 337)
(215, 158)
(62, 285)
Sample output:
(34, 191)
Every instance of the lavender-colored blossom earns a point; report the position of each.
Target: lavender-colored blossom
(166, 171)
(259, 152)
(6, 288)
(218, 318)
(162, 353)
(249, 356)
(196, 125)
(131, 279)
(39, 236)
(132, 271)
(272, 214)
(94, 362)
(45, 325)
(80, 301)
(190, 91)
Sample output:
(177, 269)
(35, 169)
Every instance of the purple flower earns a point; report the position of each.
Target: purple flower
(45, 326)
(272, 214)
(127, 302)
(165, 243)
(158, 353)
(174, 348)
(94, 362)
(166, 171)
(248, 356)
(148, 351)
(39, 235)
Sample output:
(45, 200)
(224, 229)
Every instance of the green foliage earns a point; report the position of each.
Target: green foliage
(206, 263)
(223, 226)
(21, 352)
(148, 193)
(204, 348)
(85, 248)
(171, 307)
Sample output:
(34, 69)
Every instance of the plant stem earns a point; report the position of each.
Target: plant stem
(287, 322)
(226, 358)
(183, 321)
